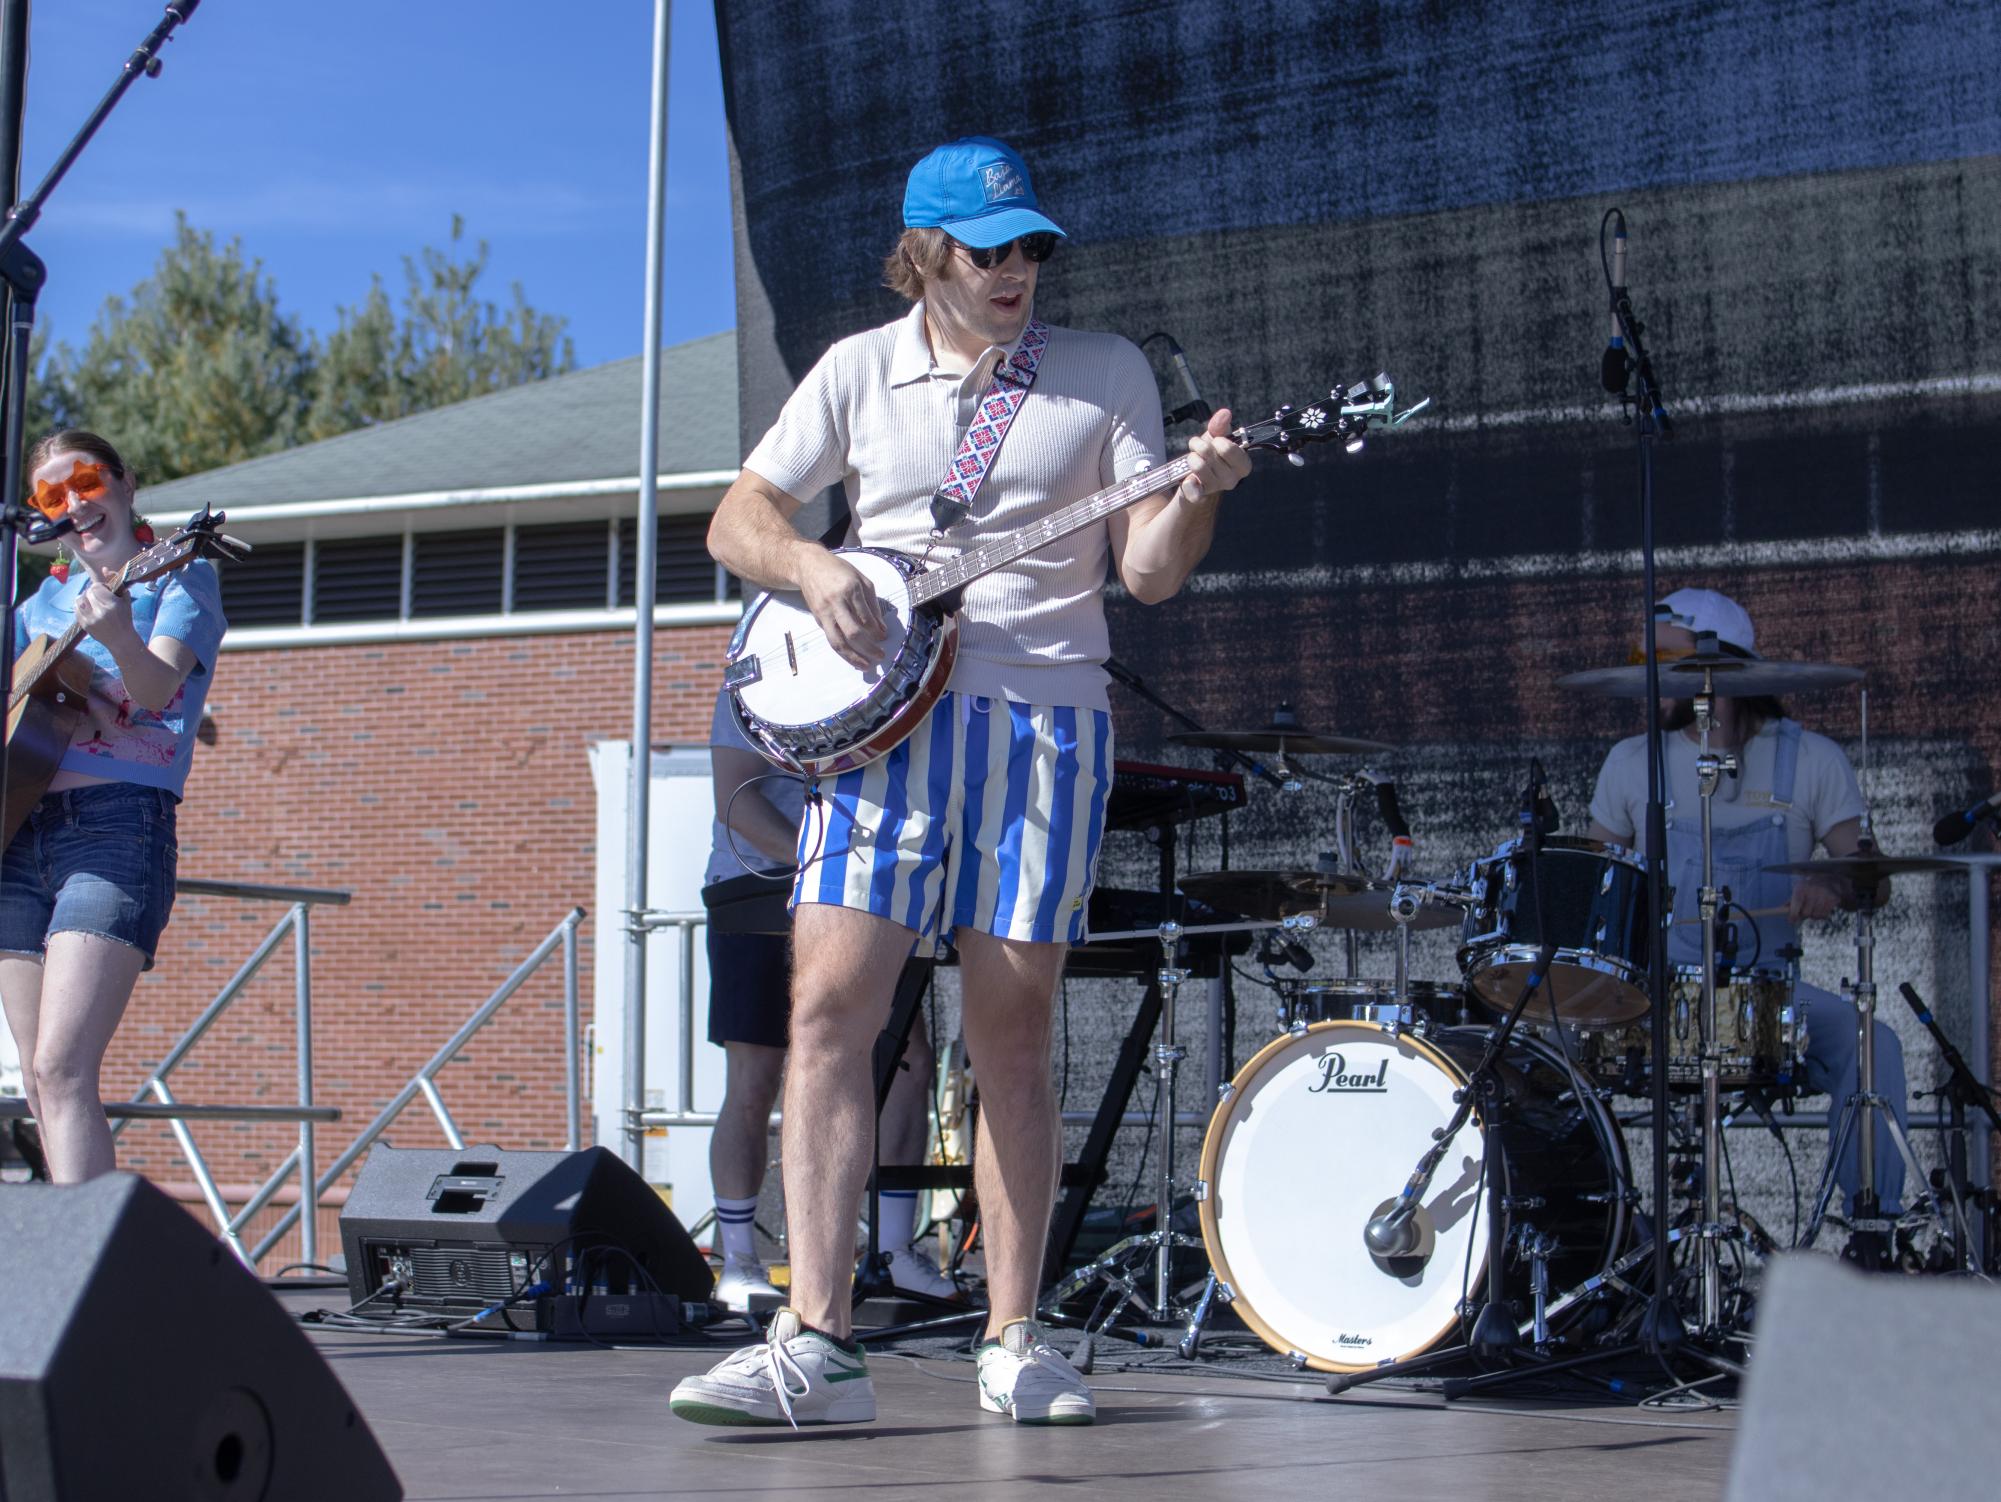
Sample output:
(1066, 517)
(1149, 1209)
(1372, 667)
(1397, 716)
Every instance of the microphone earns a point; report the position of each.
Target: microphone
(1535, 798)
(1386, 806)
(1194, 407)
(50, 530)
(1394, 1233)
(1616, 365)
(1955, 827)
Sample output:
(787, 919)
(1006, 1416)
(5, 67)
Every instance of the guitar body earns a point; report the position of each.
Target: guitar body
(812, 712)
(40, 726)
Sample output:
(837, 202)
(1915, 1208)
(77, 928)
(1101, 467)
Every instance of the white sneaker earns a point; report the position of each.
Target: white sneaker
(1029, 1380)
(745, 1288)
(798, 1376)
(912, 1270)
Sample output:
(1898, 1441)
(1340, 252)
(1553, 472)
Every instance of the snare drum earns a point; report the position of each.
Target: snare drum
(1594, 899)
(1317, 1134)
(1427, 1003)
(1760, 1030)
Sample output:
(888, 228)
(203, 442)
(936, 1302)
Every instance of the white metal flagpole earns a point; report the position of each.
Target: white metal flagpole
(632, 1136)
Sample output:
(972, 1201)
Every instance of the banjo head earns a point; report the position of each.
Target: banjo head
(813, 710)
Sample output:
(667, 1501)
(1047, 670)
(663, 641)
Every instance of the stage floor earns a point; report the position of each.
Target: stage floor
(504, 1420)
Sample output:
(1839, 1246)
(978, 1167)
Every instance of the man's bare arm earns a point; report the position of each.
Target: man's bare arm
(1159, 543)
(752, 536)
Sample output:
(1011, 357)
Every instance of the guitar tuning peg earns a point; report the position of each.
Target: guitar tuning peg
(1381, 382)
(1357, 391)
(1296, 459)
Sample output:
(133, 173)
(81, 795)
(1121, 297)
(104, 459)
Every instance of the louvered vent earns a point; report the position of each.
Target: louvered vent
(265, 589)
(561, 566)
(686, 574)
(358, 579)
(457, 573)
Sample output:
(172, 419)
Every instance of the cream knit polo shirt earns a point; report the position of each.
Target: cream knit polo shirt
(877, 415)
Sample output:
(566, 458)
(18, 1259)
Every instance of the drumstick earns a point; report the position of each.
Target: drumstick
(1756, 912)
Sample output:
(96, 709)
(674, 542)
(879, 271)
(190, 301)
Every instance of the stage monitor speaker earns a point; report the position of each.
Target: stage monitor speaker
(1868, 1385)
(462, 1229)
(138, 1358)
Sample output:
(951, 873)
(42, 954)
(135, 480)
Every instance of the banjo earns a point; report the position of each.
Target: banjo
(813, 713)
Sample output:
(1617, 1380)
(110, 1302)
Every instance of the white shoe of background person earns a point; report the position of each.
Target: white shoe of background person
(912, 1270)
(745, 1288)
(797, 1376)
(1029, 1380)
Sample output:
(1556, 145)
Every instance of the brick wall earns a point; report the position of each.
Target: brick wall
(445, 785)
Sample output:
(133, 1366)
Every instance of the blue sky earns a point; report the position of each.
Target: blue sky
(333, 139)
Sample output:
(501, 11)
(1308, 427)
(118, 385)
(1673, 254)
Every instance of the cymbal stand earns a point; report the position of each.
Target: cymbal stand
(1858, 1112)
(1158, 1245)
(1709, 766)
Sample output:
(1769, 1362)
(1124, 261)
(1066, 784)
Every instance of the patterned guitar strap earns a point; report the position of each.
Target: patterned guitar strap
(953, 501)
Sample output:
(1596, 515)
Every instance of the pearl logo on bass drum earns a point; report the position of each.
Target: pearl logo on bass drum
(1334, 1076)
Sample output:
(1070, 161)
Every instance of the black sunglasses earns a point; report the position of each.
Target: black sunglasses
(1036, 247)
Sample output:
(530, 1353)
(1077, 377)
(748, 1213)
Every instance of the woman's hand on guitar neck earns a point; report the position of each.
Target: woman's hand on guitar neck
(845, 605)
(107, 617)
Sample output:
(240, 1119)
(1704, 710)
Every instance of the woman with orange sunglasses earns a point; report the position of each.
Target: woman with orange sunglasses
(87, 882)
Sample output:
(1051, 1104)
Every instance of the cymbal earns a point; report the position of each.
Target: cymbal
(1337, 901)
(1730, 678)
(1291, 740)
(1868, 870)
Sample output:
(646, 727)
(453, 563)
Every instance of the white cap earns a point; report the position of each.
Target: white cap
(1700, 610)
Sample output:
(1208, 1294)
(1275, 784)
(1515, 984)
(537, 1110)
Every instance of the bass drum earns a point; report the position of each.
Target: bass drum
(1316, 1136)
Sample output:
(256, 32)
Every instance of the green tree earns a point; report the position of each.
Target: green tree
(450, 344)
(199, 369)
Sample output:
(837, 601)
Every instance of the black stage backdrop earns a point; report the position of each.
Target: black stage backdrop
(1302, 194)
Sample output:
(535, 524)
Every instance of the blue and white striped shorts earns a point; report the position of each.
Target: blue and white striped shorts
(987, 817)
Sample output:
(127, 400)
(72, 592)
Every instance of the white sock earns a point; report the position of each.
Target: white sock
(736, 1220)
(899, 1219)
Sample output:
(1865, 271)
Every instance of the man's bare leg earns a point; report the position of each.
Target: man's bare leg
(1010, 995)
(844, 969)
(740, 1146)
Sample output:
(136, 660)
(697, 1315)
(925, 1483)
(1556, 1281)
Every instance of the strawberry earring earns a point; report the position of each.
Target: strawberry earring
(142, 533)
(59, 570)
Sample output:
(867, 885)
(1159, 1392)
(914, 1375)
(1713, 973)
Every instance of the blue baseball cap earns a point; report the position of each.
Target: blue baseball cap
(976, 189)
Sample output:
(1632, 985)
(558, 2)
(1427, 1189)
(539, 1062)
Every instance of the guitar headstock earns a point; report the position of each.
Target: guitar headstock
(202, 537)
(1344, 416)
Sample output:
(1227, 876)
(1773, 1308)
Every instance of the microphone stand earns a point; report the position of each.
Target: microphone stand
(1961, 1090)
(23, 275)
(1662, 1327)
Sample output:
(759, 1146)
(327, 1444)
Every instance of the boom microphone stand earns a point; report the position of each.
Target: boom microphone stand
(23, 274)
(1630, 376)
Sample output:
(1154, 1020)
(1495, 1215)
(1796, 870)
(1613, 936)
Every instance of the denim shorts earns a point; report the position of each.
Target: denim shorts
(94, 860)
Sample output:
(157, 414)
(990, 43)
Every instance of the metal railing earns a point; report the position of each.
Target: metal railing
(424, 1082)
(297, 921)
(637, 1116)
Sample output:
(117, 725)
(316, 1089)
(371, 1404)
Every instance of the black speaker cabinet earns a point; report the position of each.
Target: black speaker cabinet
(462, 1229)
(1868, 1385)
(138, 1358)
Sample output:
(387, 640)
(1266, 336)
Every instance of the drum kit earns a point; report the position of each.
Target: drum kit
(1396, 1168)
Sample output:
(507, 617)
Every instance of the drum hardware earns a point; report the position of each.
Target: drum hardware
(1158, 1245)
(1865, 872)
(1961, 1090)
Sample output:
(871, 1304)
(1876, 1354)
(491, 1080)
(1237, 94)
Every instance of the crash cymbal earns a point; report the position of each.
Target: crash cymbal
(1286, 735)
(1868, 870)
(1268, 896)
(1337, 901)
(1729, 678)
(1292, 741)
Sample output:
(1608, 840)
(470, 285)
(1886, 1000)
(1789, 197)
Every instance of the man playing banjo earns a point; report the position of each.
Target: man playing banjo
(983, 824)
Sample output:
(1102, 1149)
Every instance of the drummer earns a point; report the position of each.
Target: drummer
(1794, 789)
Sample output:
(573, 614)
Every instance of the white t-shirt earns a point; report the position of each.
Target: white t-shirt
(1752, 827)
(879, 417)
(781, 790)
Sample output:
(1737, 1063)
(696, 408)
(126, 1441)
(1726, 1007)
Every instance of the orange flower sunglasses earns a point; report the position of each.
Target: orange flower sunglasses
(85, 482)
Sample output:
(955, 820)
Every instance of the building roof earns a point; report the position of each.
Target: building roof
(574, 428)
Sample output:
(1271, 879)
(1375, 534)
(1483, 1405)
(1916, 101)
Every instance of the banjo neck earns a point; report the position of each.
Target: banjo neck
(978, 562)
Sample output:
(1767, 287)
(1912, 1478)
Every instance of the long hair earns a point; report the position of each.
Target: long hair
(919, 256)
